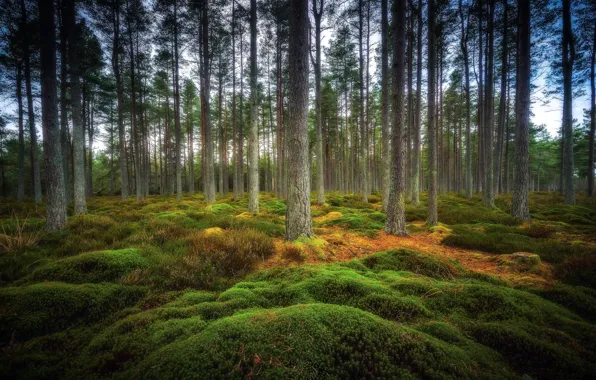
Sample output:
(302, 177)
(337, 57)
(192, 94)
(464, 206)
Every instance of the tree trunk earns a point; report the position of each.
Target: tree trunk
(396, 220)
(502, 102)
(253, 138)
(432, 218)
(317, 9)
(120, 98)
(568, 60)
(417, 115)
(33, 151)
(298, 220)
(21, 153)
(386, 180)
(208, 175)
(488, 189)
(592, 117)
(363, 159)
(177, 107)
(80, 204)
(519, 202)
(464, 49)
(56, 201)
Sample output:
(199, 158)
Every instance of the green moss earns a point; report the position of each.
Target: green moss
(100, 266)
(52, 306)
(310, 341)
(412, 261)
(221, 208)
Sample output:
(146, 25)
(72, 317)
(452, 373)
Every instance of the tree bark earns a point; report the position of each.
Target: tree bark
(33, 151)
(317, 10)
(80, 204)
(208, 175)
(592, 117)
(488, 114)
(56, 201)
(519, 202)
(298, 220)
(464, 49)
(21, 151)
(396, 220)
(432, 217)
(568, 60)
(253, 138)
(502, 102)
(386, 181)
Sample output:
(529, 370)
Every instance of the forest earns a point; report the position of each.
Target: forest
(297, 189)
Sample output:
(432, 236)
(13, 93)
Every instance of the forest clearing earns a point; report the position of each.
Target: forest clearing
(297, 189)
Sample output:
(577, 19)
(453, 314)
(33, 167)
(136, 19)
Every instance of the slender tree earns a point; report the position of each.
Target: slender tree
(386, 178)
(55, 190)
(568, 60)
(298, 220)
(396, 219)
(432, 217)
(317, 11)
(78, 138)
(253, 137)
(520, 207)
(33, 150)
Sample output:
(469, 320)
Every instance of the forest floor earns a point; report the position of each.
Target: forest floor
(181, 289)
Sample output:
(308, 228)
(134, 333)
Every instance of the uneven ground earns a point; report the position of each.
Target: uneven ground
(167, 289)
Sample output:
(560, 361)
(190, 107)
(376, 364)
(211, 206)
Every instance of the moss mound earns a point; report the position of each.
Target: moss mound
(103, 266)
(53, 306)
(309, 341)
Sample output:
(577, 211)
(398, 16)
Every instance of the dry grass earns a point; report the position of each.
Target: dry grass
(19, 239)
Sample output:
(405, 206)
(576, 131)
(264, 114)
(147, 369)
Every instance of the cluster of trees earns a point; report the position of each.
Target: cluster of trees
(172, 96)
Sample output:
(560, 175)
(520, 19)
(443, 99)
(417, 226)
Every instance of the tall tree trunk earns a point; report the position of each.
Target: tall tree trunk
(281, 185)
(21, 152)
(396, 219)
(410, 114)
(191, 150)
(317, 10)
(80, 204)
(519, 202)
(64, 140)
(177, 107)
(568, 60)
(222, 142)
(592, 116)
(464, 49)
(253, 137)
(298, 220)
(56, 200)
(502, 102)
(480, 128)
(488, 190)
(363, 158)
(236, 169)
(120, 97)
(208, 175)
(386, 181)
(133, 116)
(432, 218)
(417, 115)
(33, 151)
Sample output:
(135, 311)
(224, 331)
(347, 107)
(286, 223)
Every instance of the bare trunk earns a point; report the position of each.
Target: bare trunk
(396, 220)
(519, 202)
(80, 204)
(385, 103)
(56, 201)
(298, 220)
(253, 137)
(432, 218)
(568, 60)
